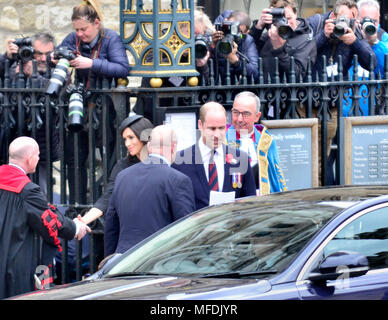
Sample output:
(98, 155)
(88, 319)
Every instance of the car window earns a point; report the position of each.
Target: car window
(367, 235)
(233, 238)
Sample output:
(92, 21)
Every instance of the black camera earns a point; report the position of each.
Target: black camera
(341, 24)
(280, 22)
(368, 25)
(202, 45)
(232, 34)
(76, 106)
(61, 71)
(26, 50)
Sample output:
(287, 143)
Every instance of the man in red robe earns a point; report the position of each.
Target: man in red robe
(24, 213)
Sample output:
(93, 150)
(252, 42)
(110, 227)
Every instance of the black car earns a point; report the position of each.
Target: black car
(321, 243)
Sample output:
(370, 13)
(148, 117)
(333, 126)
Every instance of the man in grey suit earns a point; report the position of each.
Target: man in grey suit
(148, 195)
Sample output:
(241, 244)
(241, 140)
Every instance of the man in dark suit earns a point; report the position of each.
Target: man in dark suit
(213, 166)
(148, 195)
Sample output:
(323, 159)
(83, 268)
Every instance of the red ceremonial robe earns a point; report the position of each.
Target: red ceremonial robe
(24, 212)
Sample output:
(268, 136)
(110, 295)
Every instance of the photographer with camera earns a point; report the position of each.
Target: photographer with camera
(287, 36)
(231, 42)
(22, 52)
(94, 52)
(369, 19)
(203, 30)
(336, 34)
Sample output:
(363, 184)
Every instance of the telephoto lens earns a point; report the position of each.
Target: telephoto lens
(61, 71)
(368, 25)
(76, 108)
(201, 46)
(58, 77)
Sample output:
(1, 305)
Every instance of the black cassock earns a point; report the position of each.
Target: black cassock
(24, 212)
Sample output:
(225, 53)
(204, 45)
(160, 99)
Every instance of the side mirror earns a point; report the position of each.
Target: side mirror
(339, 264)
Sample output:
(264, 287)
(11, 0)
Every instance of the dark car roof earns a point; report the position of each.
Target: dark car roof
(330, 193)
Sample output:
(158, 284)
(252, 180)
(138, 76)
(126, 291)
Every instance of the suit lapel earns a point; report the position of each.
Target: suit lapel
(199, 168)
(227, 183)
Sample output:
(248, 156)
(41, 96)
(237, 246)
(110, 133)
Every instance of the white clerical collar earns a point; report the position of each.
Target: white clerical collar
(246, 135)
(16, 166)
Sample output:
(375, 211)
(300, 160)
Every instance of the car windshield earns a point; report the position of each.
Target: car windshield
(243, 237)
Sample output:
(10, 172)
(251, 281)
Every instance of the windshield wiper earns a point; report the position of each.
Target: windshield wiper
(132, 274)
(239, 274)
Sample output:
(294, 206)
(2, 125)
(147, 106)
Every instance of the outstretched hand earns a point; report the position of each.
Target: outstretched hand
(82, 228)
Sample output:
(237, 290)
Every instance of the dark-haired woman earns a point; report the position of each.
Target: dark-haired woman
(135, 131)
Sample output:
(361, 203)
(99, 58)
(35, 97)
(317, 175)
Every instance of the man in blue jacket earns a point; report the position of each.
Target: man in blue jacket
(298, 42)
(242, 49)
(379, 39)
(148, 195)
(215, 168)
(332, 44)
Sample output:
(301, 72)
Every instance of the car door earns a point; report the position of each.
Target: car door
(365, 233)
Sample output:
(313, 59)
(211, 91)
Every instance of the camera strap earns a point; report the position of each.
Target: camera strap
(95, 54)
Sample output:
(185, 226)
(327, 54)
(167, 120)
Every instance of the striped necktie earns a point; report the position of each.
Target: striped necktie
(213, 177)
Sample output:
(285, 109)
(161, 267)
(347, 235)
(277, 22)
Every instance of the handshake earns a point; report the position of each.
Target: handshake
(81, 228)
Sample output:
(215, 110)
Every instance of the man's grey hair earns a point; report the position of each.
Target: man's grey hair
(44, 37)
(369, 3)
(250, 94)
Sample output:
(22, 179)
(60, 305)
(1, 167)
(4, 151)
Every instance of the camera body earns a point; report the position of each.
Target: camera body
(280, 22)
(26, 50)
(64, 53)
(60, 73)
(340, 26)
(76, 106)
(202, 45)
(231, 30)
(368, 25)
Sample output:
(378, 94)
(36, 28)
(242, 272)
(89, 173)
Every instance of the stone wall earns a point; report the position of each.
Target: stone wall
(19, 18)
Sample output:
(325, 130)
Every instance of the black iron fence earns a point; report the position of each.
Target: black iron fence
(25, 109)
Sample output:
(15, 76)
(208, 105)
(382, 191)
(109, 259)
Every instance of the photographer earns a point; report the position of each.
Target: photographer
(99, 52)
(22, 51)
(38, 47)
(203, 30)
(332, 44)
(231, 42)
(287, 36)
(369, 19)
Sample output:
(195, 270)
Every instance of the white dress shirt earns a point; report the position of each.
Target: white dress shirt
(218, 160)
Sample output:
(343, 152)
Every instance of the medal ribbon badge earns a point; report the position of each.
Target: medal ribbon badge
(236, 176)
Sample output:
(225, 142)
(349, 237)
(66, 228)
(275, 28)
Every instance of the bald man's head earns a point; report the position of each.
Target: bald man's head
(24, 152)
(163, 141)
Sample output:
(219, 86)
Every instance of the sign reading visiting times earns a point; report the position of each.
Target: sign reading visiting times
(366, 150)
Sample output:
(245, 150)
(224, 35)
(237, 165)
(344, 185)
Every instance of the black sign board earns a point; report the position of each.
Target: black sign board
(297, 144)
